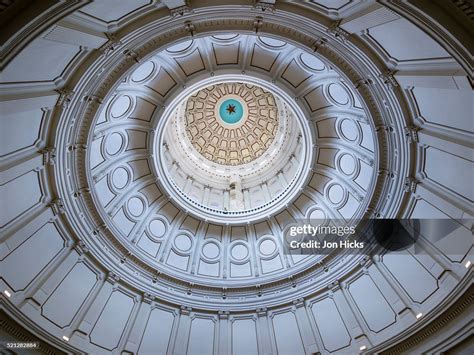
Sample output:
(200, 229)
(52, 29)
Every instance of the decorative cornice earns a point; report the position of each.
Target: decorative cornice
(181, 11)
(411, 134)
(257, 24)
(111, 45)
(388, 78)
(264, 6)
(65, 97)
(20, 334)
(185, 310)
(49, 156)
(118, 68)
(410, 184)
(112, 277)
(337, 31)
(223, 314)
(462, 306)
(319, 44)
(132, 55)
(189, 27)
(57, 206)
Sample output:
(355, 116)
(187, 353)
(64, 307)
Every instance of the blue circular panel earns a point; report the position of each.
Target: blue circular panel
(231, 111)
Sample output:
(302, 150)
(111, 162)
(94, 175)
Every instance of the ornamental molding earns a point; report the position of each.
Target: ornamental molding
(199, 120)
(264, 6)
(339, 33)
(456, 305)
(49, 156)
(106, 251)
(181, 11)
(100, 86)
(65, 97)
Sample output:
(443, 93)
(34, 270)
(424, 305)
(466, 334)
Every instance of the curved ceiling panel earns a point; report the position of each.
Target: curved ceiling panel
(130, 196)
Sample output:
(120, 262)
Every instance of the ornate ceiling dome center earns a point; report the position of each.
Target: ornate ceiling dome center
(231, 110)
(231, 123)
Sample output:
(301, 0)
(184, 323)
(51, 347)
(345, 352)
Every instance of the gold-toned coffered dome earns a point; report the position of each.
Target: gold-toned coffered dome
(231, 123)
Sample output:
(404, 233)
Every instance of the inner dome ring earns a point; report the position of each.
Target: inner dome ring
(162, 118)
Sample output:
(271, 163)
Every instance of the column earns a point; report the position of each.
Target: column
(80, 337)
(309, 341)
(188, 184)
(263, 332)
(139, 325)
(174, 168)
(247, 205)
(182, 334)
(266, 192)
(207, 195)
(226, 200)
(224, 345)
(282, 179)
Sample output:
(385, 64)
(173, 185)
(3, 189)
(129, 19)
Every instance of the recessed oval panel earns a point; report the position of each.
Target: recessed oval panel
(239, 252)
(349, 129)
(338, 94)
(180, 47)
(113, 143)
(267, 247)
(135, 206)
(183, 242)
(157, 228)
(143, 71)
(120, 178)
(317, 214)
(347, 164)
(336, 193)
(211, 250)
(312, 62)
(272, 42)
(225, 36)
(120, 106)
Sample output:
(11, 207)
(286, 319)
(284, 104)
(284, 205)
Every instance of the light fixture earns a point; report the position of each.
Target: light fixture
(65, 338)
(419, 315)
(362, 348)
(468, 263)
(7, 293)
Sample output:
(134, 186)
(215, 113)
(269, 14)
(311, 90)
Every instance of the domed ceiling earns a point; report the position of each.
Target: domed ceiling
(153, 205)
(231, 192)
(265, 163)
(232, 123)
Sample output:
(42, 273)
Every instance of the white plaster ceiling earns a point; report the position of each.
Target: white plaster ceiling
(96, 257)
(339, 178)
